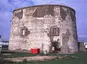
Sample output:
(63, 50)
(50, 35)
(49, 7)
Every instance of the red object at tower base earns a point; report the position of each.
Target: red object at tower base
(35, 50)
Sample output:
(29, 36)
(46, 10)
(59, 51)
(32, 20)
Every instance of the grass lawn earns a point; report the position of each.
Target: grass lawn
(81, 59)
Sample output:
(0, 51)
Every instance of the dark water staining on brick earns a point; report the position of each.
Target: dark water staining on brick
(75, 36)
(66, 36)
(19, 14)
(63, 13)
(65, 39)
(42, 11)
(74, 29)
(72, 15)
(50, 11)
(48, 34)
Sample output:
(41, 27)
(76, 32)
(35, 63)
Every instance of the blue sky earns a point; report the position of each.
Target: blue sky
(7, 6)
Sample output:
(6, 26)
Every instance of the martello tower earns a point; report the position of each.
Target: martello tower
(44, 27)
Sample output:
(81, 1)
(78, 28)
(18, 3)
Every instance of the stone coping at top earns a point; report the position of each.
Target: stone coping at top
(45, 5)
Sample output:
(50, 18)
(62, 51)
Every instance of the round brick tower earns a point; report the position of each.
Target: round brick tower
(44, 27)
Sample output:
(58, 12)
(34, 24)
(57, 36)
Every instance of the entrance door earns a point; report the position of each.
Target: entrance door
(56, 46)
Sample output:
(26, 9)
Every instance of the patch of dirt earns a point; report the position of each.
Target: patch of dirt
(39, 58)
(6, 54)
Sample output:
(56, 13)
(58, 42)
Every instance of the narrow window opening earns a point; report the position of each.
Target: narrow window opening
(24, 31)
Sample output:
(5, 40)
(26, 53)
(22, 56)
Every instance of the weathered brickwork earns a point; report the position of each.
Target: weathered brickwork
(42, 26)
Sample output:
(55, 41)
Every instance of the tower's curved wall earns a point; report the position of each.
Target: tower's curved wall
(44, 27)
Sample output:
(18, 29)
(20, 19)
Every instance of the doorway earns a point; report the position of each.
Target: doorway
(55, 45)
